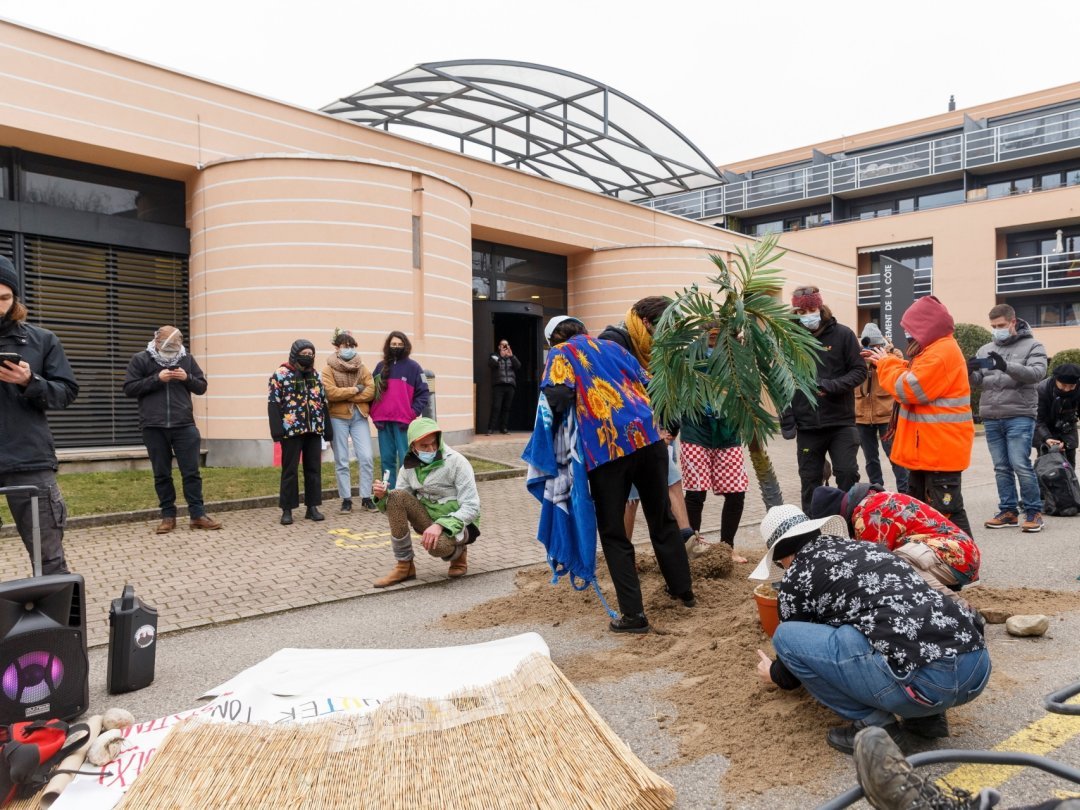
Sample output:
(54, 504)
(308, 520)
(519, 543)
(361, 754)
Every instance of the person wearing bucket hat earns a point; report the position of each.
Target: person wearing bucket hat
(600, 388)
(37, 379)
(1056, 417)
(862, 631)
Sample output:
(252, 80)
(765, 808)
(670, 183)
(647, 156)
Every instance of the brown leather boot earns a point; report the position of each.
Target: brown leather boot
(204, 522)
(403, 572)
(460, 566)
(167, 525)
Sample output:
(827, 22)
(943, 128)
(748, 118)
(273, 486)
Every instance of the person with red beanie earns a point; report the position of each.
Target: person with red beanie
(934, 428)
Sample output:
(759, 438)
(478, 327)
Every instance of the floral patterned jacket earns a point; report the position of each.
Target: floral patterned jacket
(893, 519)
(296, 404)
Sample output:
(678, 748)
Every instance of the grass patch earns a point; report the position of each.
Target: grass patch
(100, 493)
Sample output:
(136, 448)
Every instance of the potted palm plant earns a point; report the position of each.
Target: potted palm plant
(761, 358)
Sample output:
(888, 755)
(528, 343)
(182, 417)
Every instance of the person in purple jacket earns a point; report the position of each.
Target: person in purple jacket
(401, 394)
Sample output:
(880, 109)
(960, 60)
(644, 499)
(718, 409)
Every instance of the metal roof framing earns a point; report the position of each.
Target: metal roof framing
(584, 136)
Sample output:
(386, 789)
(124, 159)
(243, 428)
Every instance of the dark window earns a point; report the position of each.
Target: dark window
(505, 273)
(1062, 309)
(941, 198)
(1049, 181)
(762, 228)
(5, 174)
(99, 190)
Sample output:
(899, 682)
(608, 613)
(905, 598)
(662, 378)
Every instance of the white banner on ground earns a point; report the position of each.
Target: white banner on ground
(298, 685)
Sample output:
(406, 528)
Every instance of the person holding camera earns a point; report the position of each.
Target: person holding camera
(873, 412)
(1007, 369)
(1056, 417)
(163, 378)
(35, 377)
(504, 368)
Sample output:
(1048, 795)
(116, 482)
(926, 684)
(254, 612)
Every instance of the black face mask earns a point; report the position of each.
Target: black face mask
(396, 352)
(305, 360)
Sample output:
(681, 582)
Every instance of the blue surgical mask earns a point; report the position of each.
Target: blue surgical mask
(1000, 335)
(347, 353)
(812, 321)
(426, 456)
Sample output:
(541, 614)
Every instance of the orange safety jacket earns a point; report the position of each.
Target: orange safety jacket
(934, 431)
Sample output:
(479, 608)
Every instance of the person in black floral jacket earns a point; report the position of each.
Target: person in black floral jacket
(863, 632)
(299, 419)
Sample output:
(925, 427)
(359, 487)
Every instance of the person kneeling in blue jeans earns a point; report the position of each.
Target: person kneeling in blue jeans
(864, 632)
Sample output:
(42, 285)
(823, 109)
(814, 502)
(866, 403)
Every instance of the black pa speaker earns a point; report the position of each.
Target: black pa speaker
(44, 671)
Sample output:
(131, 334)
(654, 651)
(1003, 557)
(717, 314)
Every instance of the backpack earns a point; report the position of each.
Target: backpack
(1057, 480)
(30, 753)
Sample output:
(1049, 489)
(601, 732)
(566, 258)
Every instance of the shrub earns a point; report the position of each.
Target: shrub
(972, 338)
(1063, 357)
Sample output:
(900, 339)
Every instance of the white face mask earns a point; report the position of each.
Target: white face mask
(426, 456)
(811, 320)
(347, 353)
(1000, 335)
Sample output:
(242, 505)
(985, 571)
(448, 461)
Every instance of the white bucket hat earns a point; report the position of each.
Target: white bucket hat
(553, 324)
(784, 521)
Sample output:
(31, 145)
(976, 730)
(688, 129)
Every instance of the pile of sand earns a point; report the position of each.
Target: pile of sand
(722, 707)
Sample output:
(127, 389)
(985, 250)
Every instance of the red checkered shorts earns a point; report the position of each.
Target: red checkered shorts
(719, 471)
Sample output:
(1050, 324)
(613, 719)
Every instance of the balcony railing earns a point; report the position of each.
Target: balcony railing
(868, 292)
(1052, 271)
(1033, 136)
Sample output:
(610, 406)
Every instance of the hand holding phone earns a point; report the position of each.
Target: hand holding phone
(11, 358)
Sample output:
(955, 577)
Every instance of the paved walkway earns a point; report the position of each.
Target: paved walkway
(255, 566)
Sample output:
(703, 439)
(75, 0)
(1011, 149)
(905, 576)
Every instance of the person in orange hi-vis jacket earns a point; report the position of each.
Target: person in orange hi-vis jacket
(934, 429)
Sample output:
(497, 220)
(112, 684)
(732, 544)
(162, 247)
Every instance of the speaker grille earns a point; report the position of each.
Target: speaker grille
(44, 674)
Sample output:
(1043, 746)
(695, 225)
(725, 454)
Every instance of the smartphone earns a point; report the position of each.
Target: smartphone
(10, 357)
(984, 362)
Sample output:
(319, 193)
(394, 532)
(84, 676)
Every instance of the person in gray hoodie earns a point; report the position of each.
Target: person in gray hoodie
(1008, 369)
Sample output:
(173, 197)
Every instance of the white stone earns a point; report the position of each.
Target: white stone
(1034, 625)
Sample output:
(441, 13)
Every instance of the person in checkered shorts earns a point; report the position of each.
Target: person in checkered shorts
(712, 460)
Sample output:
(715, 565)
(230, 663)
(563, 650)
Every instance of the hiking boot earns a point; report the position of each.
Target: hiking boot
(1033, 521)
(1002, 520)
(630, 624)
(686, 597)
(286, 517)
(843, 738)
(404, 570)
(346, 505)
(204, 522)
(167, 525)
(460, 566)
(369, 504)
(934, 727)
(890, 783)
(313, 513)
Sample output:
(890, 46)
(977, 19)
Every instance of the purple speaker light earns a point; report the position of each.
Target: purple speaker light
(33, 676)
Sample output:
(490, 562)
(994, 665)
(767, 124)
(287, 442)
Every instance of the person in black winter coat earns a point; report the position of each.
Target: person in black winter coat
(38, 381)
(504, 368)
(827, 426)
(163, 378)
(1059, 404)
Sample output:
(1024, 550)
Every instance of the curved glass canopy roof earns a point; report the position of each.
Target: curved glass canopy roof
(541, 119)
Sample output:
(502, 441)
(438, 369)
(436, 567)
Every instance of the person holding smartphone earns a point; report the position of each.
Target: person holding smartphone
(35, 377)
(504, 369)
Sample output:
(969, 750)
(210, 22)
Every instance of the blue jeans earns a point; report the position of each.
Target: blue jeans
(840, 669)
(356, 427)
(868, 440)
(1010, 448)
(393, 445)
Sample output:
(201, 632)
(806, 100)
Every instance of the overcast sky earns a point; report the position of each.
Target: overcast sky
(740, 79)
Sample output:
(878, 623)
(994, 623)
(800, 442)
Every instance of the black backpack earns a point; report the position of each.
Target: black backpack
(1057, 480)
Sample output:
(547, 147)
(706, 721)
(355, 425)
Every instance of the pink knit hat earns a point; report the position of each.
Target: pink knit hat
(806, 298)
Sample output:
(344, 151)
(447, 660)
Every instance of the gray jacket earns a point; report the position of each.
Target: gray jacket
(1011, 392)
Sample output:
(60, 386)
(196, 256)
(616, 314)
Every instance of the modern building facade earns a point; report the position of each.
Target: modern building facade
(134, 196)
(983, 203)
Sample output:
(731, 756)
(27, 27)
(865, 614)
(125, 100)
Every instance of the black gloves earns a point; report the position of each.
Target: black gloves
(972, 364)
(999, 361)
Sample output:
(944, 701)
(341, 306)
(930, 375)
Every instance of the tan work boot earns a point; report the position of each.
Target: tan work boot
(204, 522)
(167, 525)
(403, 572)
(460, 566)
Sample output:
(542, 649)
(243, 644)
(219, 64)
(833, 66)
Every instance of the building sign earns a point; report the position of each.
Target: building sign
(897, 294)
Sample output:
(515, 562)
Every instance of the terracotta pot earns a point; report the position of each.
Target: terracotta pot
(765, 597)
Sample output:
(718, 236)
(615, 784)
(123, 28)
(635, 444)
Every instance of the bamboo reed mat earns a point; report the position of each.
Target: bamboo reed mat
(529, 740)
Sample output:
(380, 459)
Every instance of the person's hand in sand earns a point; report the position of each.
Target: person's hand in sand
(764, 667)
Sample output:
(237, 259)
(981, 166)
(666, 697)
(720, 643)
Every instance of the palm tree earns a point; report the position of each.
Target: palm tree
(761, 358)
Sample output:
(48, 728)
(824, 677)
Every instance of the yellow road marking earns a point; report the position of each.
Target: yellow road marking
(350, 540)
(1041, 737)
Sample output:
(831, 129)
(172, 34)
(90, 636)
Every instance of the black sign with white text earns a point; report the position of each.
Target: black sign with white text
(897, 294)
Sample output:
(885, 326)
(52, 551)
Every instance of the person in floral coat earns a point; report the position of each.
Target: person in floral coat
(945, 556)
(299, 421)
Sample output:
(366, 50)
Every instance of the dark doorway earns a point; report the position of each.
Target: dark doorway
(520, 324)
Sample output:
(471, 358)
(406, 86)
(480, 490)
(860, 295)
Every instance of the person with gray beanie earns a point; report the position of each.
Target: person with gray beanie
(873, 412)
(299, 417)
(35, 377)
